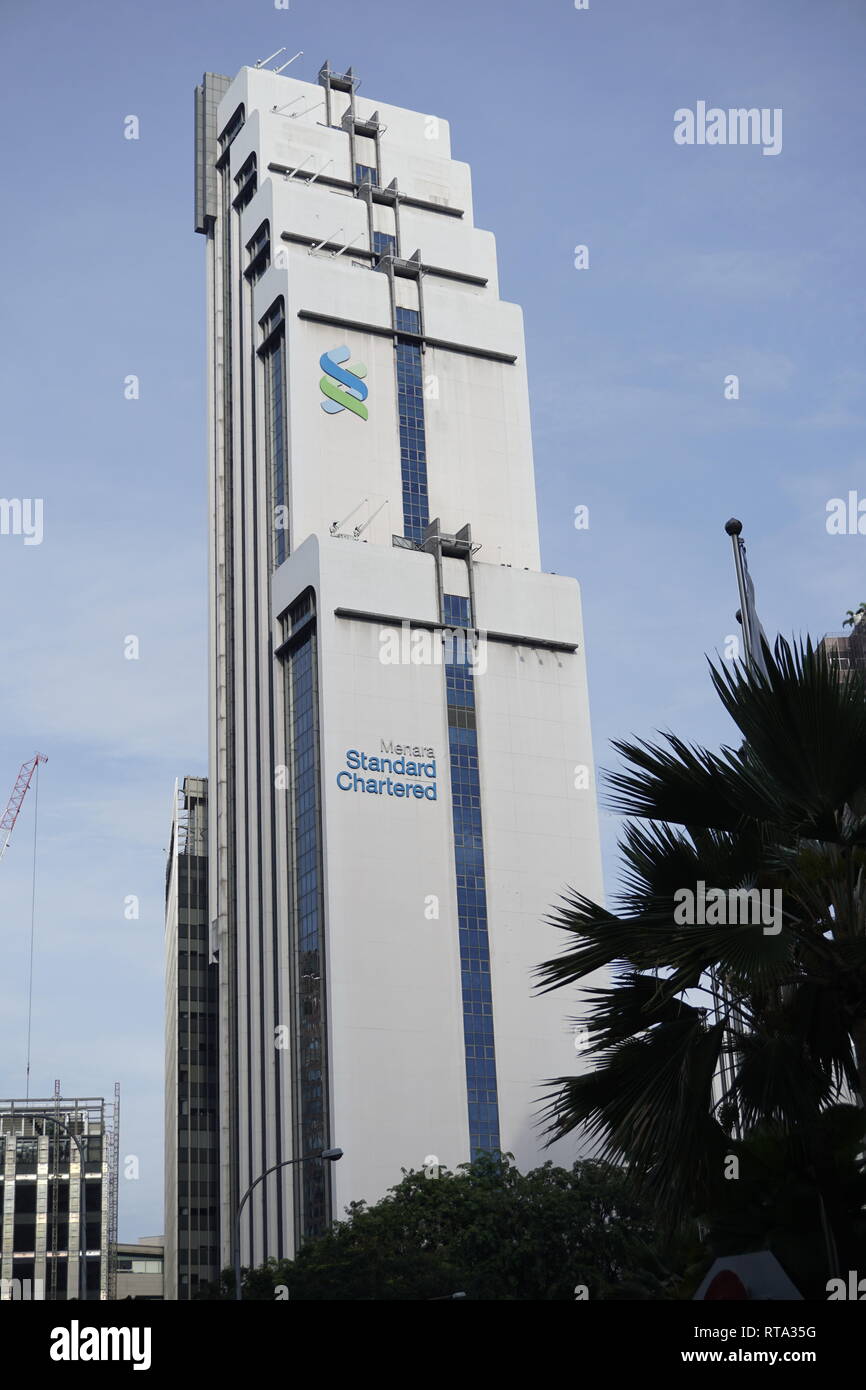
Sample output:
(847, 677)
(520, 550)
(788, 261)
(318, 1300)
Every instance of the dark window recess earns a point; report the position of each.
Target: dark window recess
(59, 1192)
(24, 1233)
(92, 1146)
(300, 613)
(274, 319)
(24, 1269)
(25, 1198)
(192, 882)
(59, 1152)
(247, 183)
(259, 252)
(62, 1241)
(231, 130)
(26, 1151)
(365, 173)
(57, 1285)
(92, 1278)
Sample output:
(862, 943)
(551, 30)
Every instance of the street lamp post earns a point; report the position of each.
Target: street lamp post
(327, 1155)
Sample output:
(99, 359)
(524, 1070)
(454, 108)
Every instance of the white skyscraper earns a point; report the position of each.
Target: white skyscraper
(393, 809)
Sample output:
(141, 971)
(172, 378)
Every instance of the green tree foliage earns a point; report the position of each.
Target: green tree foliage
(801, 1195)
(489, 1232)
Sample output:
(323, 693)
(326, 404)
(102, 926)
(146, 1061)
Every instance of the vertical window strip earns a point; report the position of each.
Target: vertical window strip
(413, 440)
(276, 445)
(308, 912)
(480, 1053)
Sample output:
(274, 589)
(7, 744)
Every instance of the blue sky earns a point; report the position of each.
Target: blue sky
(704, 261)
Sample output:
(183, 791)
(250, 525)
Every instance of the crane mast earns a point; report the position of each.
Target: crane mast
(19, 791)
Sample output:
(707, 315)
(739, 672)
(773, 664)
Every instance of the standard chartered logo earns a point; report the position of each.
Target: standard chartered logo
(351, 391)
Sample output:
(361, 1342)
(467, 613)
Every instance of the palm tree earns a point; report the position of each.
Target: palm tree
(773, 1206)
(854, 615)
(786, 810)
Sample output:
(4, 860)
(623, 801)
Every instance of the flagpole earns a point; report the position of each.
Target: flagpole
(734, 529)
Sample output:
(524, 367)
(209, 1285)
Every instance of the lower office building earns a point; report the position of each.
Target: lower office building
(58, 1180)
(140, 1269)
(191, 1131)
(847, 651)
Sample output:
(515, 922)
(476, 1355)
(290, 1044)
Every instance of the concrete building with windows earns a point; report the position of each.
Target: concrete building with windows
(846, 651)
(140, 1269)
(401, 775)
(58, 1197)
(191, 1172)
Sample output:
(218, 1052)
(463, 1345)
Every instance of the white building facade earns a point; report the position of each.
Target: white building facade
(401, 776)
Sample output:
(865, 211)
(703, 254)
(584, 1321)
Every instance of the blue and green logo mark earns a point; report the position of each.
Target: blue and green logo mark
(355, 391)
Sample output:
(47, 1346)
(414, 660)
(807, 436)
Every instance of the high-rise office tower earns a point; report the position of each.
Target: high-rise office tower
(58, 1184)
(191, 1058)
(400, 762)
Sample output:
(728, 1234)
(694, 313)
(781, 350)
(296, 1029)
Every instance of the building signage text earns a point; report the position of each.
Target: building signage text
(401, 770)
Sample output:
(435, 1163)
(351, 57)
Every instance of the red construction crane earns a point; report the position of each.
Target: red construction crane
(19, 791)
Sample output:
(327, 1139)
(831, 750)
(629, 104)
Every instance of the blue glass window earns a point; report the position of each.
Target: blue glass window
(481, 1085)
(311, 1114)
(413, 440)
(384, 244)
(365, 173)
